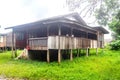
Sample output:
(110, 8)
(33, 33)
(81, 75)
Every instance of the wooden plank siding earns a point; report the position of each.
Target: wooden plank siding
(2, 41)
(38, 43)
(66, 42)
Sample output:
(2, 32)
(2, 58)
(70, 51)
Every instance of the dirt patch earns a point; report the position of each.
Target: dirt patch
(5, 78)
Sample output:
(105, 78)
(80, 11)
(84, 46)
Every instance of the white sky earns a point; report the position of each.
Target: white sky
(15, 12)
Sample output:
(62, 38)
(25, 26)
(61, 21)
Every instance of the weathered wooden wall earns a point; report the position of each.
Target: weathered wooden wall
(38, 43)
(2, 41)
(101, 40)
(70, 42)
(52, 42)
(9, 39)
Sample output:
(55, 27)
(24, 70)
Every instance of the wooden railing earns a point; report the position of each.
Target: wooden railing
(66, 42)
(38, 43)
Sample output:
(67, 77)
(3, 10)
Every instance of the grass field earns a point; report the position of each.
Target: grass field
(104, 66)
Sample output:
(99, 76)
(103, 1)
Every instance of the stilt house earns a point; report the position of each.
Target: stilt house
(65, 32)
(6, 41)
(2, 41)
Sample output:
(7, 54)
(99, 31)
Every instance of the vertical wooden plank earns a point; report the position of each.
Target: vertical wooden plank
(77, 52)
(71, 55)
(97, 43)
(48, 52)
(48, 56)
(59, 55)
(27, 37)
(12, 44)
(15, 45)
(103, 40)
(72, 45)
(59, 50)
(87, 52)
(96, 51)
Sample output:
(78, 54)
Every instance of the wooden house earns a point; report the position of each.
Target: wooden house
(59, 33)
(6, 41)
(2, 41)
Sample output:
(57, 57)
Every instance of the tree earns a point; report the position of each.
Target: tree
(107, 11)
(83, 6)
(103, 10)
(115, 25)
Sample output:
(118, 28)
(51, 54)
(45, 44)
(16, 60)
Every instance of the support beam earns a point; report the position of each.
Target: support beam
(48, 51)
(59, 55)
(71, 51)
(98, 45)
(15, 53)
(12, 45)
(71, 55)
(48, 56)
(96, 51)
(59, 50)
(77, 52)
(87, 52)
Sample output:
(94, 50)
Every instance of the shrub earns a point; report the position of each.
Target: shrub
(115, 45)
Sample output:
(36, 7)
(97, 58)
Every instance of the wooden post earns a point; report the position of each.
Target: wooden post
(12, 45)
(27, 36)
(59, 55)
(71, 52)
(48, 51)
(59, 50)
(48, 56)
(96, 51)
(87, 52)
(71, 55)
(15, 53)
(5, 43)
(77, 52)
(97, 43)
(103, 41)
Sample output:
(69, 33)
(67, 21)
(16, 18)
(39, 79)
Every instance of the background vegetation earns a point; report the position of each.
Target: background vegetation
(104, 66)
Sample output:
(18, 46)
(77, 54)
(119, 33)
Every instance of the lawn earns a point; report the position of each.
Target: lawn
(104, 66)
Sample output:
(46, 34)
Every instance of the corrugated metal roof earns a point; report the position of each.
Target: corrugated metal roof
(100, 28)
(73, 18)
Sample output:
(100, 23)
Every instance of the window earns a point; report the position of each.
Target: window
(20, 36)
(92, 36)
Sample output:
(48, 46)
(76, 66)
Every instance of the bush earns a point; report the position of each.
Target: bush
(115, 45)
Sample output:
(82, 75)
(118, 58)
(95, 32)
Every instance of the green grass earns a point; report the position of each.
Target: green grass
(104, 66)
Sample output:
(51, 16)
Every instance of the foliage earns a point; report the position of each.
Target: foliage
(115, 26)
(115, 45)
(85, 7)
(107, 11)
(103, 10)
(105, 66)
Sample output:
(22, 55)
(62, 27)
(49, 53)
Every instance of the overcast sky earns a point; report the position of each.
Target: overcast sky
(15, 12)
